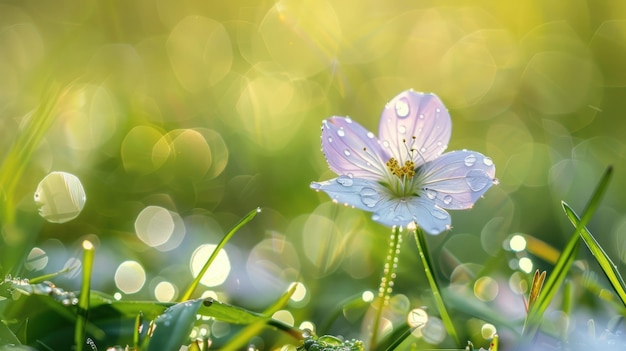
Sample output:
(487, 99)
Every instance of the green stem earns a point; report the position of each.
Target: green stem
(420, 240)
(83, 298)
(386, 283)
(194, 284)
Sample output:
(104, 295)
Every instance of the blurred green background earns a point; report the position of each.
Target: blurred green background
(206, 110)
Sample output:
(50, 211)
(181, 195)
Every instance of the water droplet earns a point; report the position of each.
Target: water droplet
(370, 135)
(421, 116)
(470, 160)
(477, 179)
(369, 197)
(402, 108)
(315, 185)
(398, 218)
(401, 129)
(346, 152)
(431, 194)
(348, 120)
(341, 132)
(423, 149)
(439, 214)
(376, 217)
(345, 180)
(330, 139)
(487, 161)
(60, 197)
(385, 143)
(447, 199)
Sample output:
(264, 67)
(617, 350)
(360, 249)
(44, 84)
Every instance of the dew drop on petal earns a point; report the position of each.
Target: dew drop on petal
(439, 214)
(376, 217)
(348, 120)
(488, 161)
(346, 152)
(370, 135)
(402, 129)
(477, 179)
(470, 160)
(369, 197)
(330, 139)
(341, 132)
(386, 143)
(402, 108)
(431, 194)
(447, 199)
(421, 116)
(345, 180)
(398, 218)
(316, 186)
(423, 149)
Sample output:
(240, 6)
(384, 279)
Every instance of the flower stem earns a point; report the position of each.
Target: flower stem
(386, 283)
(420, 240)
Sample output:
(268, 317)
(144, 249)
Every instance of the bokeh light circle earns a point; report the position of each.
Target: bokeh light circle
(60, 197)
(219, 269)
(130, 277)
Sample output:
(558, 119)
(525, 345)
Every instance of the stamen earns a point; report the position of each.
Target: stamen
(405, 172)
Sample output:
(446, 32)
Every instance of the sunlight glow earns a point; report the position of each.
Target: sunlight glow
(526, 264)
(165, 292)
(219, 270)
(285, 317)
(517, 243)
(37, 259)
(130, 277)
(60, 197)
(417, 318)
(300, 292)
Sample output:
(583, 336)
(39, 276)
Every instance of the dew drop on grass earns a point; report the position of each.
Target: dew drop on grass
(60, 197)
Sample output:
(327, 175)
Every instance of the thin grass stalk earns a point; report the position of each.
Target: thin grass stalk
(422, 247)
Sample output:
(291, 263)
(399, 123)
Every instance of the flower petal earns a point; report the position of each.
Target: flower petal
(388, 210)
(350, 149)
(396, 212)
(457, 179)
(415, 126)
(356, 192)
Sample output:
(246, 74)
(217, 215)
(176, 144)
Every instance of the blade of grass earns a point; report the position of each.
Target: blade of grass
(194, 284)
(45, 277)
(243, 337)
(564, 262)
(422, 247)
(609, 268)
(83, 298)
(26, 142)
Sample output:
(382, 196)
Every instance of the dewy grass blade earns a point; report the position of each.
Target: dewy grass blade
(83, 298)
(196, 281)
(563, 264)
(239, 341)
(427, 262)
(603, 259)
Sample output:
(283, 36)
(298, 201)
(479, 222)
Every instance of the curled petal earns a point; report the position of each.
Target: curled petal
(415, 126)
(457, 179)
(350, 149)
(388, 210)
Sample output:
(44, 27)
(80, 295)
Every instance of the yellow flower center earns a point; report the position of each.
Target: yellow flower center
(407, 171)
